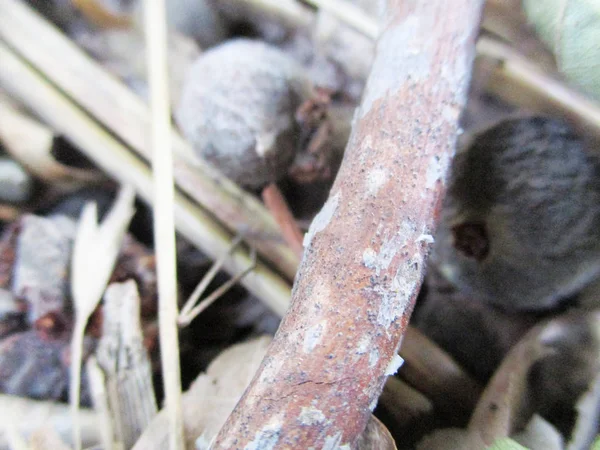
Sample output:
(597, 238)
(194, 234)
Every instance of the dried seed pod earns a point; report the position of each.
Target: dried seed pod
(520, 225)
(237, 108)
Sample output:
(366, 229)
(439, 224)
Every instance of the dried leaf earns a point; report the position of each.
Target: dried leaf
(94, 255)
(572, 29)
(211, 398)
(376, 436)
(546, 369)
(26, 416)
(96, 249)
(43, 249)
(30, 143)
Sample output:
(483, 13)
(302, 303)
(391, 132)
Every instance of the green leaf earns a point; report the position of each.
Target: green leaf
(571, 28)
(596, 444)
(507, 444)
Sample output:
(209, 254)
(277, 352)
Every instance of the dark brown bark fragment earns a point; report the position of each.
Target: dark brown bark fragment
(365, 251)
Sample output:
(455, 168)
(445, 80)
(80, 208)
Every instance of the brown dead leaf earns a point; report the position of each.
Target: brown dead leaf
(551, 367)
(211, 398)
(376, 436)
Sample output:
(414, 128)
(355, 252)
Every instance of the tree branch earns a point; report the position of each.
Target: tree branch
(365, 251)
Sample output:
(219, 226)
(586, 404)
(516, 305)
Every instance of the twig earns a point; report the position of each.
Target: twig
(404, 403)
(127, 116)
(118, 161)
(515, 79)
(190, 310)
(364, 258)
(164, 226)
(434, 373)
(110, 155)
(278, 206)
(350, 14)
(520, 82)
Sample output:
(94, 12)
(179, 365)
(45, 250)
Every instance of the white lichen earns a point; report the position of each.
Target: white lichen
(265, 439)
(373, 357)
(376, 178)
(311, 416)
(333, 442)
(394, 365)
(322, 219)
(313, 337)
(363, 345)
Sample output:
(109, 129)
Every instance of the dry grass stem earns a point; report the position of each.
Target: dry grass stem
(276, 203)
(117, 160)
(351, 15)
(191, 310)
(164, 223)
(95, 252)
(521, 83)
(121, 111)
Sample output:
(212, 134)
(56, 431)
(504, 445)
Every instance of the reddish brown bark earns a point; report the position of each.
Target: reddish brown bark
(365, 251)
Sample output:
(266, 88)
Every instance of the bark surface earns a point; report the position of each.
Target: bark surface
(365, 251)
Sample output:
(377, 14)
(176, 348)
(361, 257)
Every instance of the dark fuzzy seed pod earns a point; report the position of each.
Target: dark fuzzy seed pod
(237, 109)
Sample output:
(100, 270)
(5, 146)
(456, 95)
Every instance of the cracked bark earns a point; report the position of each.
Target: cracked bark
(365, 251)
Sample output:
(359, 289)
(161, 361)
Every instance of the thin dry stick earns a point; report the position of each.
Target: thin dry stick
(164, 224)
(196, 225)
(365, 255)
(190, 309)
(516, 79)
(522, 83)
(350, 14)
(118, 161)
(127, 116)
(278, 206)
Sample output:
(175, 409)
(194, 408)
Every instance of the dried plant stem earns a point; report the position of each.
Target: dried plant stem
(164, 226)
(276, 203)
(364, 259)
(350, 14)
(435, 374)
(118, 109)
(200, 228)
(190, 309)
(125, 364)
(520, 82)
(515, 79)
